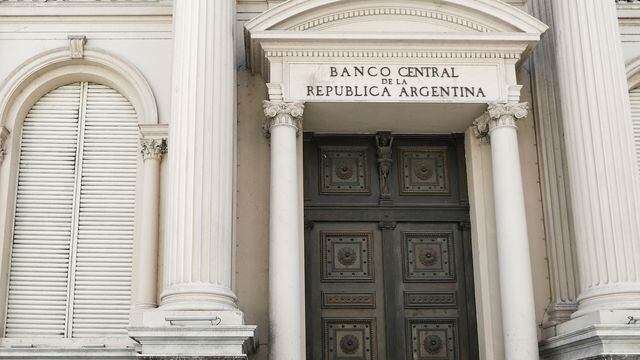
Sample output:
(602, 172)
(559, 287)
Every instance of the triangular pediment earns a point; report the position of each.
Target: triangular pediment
(353, 25)
(407, 16)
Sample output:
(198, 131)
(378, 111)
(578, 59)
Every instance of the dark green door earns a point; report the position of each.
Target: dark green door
(388, 248)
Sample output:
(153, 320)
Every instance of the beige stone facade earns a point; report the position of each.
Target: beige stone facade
(210, 260)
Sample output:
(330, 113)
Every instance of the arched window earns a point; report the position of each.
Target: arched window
(72, 245)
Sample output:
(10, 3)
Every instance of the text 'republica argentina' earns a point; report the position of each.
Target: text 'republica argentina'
(395, 83)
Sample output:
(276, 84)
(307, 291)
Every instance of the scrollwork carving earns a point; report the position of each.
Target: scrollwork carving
(4, 135)
(498, 115)
(153, 149)
(282, 113)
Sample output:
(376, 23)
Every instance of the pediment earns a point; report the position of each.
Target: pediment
(304, 47)
(353, 26)
(395, 16)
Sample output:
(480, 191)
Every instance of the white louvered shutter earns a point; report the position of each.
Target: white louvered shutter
(71, 260)
(106, 215)
(40, 255)
(635, 118)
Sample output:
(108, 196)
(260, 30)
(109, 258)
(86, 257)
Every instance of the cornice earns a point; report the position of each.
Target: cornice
(66, 8)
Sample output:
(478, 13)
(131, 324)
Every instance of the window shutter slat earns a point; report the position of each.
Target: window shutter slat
(42, 227)
(106, 218)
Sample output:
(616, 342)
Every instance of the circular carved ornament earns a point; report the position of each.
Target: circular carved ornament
(344, 170)
(432, 344)
(349, 344)
(428, 257)
(347, 256)
(423, 171)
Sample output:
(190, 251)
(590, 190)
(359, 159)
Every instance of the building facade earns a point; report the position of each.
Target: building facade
(320, 179)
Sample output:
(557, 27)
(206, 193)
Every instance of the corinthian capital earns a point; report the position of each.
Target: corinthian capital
(516, 110)
(498, 115)
(4, 135)
(282, 114)
(153, 149)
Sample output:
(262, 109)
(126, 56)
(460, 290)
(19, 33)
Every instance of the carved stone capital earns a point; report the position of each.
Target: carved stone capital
(498, 115)
(153, 140)
(4, 135)
(282, 114)
(481, 128)
(76, 46)
(153, 149)
(506, 114)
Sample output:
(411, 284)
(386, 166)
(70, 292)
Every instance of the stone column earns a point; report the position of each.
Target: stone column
(516, 283)
(198, 316)
(199, 223)
(153, 146)
(559, 232)
(286, 301)
(600, 154)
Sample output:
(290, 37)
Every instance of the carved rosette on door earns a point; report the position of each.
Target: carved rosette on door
(388, 267)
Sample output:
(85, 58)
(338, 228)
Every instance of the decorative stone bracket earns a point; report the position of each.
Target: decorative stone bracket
(76, 46)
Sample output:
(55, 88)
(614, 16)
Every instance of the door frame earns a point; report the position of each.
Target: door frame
(484, 253)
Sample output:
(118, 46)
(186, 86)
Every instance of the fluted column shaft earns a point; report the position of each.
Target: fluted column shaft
(198, 252)
(286, 304)
(600, 155)
(553, 172)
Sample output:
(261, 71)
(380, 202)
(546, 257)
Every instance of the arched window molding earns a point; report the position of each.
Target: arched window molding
(24, 87)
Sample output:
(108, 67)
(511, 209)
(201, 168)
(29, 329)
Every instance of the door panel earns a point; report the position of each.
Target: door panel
(388, 261)
(346, 301)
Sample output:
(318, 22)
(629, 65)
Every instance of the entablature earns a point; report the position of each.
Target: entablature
(302, 45)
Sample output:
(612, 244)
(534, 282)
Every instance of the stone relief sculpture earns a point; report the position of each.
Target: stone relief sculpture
(384, 141)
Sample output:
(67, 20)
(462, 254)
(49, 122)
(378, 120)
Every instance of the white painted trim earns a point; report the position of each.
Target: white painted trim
(26, 85)
(35, 77)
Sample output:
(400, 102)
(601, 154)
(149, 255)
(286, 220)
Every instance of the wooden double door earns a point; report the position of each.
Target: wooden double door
(387, 248)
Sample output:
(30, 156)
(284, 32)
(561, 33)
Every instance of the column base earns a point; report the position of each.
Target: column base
(601, 335)
(194, 335)
(555, 315)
